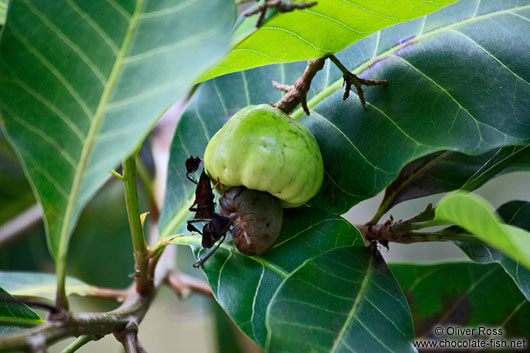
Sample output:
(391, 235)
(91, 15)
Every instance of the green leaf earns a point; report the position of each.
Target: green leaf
(343, 300)
(441, 95)
(244, 285)
(504, 160)
(42, 285)
(515, 213)
(475, 215)
(324, 29)
(466, 294)
(226, 334)
(83, 82)
(3, 12)
(447, 171)
(15, 314)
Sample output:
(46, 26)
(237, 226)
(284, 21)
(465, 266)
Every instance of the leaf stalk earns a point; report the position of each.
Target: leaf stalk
(141, 253)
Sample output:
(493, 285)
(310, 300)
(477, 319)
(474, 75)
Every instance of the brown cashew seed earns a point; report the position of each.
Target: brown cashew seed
(256, 216)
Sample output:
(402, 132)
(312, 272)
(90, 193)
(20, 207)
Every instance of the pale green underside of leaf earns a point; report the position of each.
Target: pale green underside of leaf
(42, 285)
(243, 285)
(458, 80)
(15, 314)
(83, 82)
(345, 300)
(516, 213)
(478, 217)
(327, 28)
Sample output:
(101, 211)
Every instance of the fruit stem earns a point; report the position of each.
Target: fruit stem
(297, 94)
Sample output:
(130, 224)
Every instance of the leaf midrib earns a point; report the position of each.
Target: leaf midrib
(89, 142)
(416, 39)
(355, 307)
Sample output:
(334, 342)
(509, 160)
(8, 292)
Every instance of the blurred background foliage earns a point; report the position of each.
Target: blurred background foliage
(100, 254)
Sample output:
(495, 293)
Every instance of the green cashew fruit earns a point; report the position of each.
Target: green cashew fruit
(263, 149)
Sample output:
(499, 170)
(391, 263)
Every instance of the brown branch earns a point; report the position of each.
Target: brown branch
(117, 295)
(297, 94)
(183, 285)
(281, 86)
(352, 79)
(387, 233)
(129, 339)
(280, 5)
(76, 324)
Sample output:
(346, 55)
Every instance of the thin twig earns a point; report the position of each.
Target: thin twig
(117, 175)
(384, 234)
(118, 295)
(10, 230)
(281, 86)
(280, 5)
(78, 343)
(352, 79)
(183, 284)
(129, 338)
(298, 92)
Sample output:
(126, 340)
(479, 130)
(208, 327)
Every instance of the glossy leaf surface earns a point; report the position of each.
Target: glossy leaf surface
(83, 82)
(475, 215)
(14, 315)
(345, 300)
(515, 213)
(440, 96)
(463, 294)
(326, 28)
(244, 285)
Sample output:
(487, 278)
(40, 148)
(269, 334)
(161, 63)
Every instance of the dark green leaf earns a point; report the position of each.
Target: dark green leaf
(466, 294)
(446, 171)
(504, 160)
(15, 314)
(343, 300)
(243, 285)
(324, 29)
(101, 247)
(476, 216)
(441, 95)
(225, 332)
(83, 82)
(42, 285)
(15, 193)
(515, 213)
